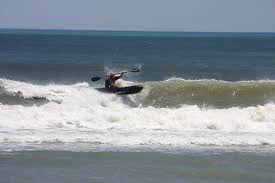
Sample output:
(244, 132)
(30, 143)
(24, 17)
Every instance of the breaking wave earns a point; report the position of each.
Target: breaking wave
(173, 112)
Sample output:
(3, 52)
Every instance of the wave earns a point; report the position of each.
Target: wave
(172, 93)
(209, 93)
(79, 113)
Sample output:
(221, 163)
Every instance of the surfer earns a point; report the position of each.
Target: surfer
(112, 87)
(110, 81)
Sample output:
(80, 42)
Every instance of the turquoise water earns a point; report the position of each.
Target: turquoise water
(206, 113)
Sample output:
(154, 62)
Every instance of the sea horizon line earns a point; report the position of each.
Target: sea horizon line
(132, 33)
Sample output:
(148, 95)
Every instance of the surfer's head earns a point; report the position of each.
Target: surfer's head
(112, 75)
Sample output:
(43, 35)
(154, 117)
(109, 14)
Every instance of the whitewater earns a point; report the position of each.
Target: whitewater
(55, 114)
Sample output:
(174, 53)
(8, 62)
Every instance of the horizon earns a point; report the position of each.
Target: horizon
(130, 31)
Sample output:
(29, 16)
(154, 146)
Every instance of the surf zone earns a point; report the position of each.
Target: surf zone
(36, 114)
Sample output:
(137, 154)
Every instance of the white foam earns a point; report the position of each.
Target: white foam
(221, 81)
(87, 115)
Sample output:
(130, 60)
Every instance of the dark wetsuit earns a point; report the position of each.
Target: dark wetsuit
(110, 83)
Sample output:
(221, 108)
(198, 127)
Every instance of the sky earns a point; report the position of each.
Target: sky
(140, 15)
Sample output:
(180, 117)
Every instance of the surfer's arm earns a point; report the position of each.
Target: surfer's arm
(120, 76)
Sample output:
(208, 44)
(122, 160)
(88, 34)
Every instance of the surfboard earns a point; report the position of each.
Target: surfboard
(123, 90)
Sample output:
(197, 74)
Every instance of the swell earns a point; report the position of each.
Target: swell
(208, 93)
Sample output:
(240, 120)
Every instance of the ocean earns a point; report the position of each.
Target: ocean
(206, 113)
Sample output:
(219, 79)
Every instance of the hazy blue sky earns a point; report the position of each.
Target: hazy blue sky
(154, 15)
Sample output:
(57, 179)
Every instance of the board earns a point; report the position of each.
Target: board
(123, 90)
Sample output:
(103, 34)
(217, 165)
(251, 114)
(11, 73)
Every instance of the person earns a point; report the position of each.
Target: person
(110, 81)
